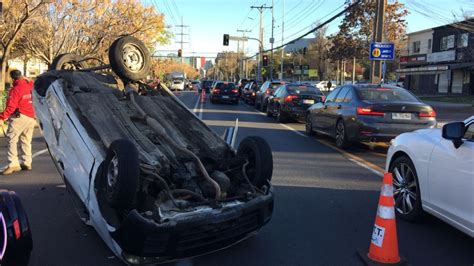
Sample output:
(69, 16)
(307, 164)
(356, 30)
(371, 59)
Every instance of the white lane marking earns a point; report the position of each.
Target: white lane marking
(39, 153)
(196, 105)
(200, 111)
(61, 186)
(366, 167)
(294, 130)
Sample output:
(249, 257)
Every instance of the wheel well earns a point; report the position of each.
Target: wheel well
(397, 155)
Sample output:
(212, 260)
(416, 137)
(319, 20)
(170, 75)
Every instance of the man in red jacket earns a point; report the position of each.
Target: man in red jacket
(19, 110)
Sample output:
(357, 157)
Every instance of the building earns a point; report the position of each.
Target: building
(440, 60)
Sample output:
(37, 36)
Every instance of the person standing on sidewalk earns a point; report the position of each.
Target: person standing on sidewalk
(19, 110)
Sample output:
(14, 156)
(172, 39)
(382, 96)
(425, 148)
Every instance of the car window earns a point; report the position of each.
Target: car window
(307, 89)
(264, 87)
(349, 96)
(332, 95)
(469, 135)
(279, 91)
(385, 94)
(340, 97)
(225, 86)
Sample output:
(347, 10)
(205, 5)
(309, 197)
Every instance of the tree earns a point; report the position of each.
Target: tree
(161, 68)
(318, 52)
(89, 27)
(227, 64)
(356, 29)
(16, 15)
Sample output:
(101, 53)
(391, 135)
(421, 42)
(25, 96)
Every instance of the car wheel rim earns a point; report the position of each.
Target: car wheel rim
(112, 172)
(340, 134)
(404, 192)
(133, 58)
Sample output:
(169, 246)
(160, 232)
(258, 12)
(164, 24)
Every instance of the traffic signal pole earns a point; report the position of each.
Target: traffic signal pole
(376, 66)
(260, 50)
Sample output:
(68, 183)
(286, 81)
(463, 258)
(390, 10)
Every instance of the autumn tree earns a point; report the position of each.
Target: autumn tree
(89, 27)
(318, 52)
(227, 63)
(356, 29)
(162, 67)
(16, 16)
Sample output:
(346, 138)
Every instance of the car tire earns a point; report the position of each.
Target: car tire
(257, 105)
(309, 126)
(259, 155)
(263, 106)
(129, 58)
(121, 174)
(68, 62)
(281, 116)
(406, 187)
(341, 135)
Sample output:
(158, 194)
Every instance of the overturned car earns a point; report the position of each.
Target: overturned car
(153, 180)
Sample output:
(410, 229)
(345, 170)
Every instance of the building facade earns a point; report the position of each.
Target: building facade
(440, 60)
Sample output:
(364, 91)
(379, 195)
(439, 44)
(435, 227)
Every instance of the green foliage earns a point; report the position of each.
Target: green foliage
(3, 99)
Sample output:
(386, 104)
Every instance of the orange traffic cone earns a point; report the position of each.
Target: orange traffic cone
(384, 243)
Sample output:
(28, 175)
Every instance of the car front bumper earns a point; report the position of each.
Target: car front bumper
(191, 235)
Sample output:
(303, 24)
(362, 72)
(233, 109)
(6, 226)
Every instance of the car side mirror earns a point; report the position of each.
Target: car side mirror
(455, 132)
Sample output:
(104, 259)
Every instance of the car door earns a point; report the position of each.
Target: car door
(261, 93)
(335, 109)
(321, 118)
(451, 180)
(275, 100)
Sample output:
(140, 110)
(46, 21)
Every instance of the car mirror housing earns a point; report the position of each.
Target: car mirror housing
(454, 131)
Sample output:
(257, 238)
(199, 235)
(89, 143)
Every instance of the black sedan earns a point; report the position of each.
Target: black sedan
(291, 101)
(265, 92)
(224, 92)
(362, 113)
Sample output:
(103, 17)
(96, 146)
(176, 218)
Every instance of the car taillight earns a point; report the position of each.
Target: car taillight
(323, 98)
(368, 111)
(16, 229)
(290, 98)
(267, 91)
(234, 91)
(253, 93)
(427, 114)
(216, 90)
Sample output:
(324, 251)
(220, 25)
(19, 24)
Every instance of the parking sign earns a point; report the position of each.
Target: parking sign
(382, 51)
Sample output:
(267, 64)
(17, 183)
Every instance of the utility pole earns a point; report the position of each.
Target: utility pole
(242, 72)
(272, 40)
(376, 66)
(282, 40)
(182, 34)
(260, 50)
(353, 70)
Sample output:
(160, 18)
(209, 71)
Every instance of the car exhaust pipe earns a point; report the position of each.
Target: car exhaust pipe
(129, 90)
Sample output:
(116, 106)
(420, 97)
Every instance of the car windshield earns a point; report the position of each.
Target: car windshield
(225, 86)
(276, 85)
(305, 89)
(384, 94)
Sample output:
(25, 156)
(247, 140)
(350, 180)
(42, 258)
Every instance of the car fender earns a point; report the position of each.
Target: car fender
(418, 145)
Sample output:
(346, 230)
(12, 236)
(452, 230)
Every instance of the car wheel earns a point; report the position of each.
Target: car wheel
(257, 105)
(341, 135)
(281, 117)
(263, 106)
(259, 156)
(406, 189)
(68, 62)
(309, 126)
(121, 174)
(129, 58)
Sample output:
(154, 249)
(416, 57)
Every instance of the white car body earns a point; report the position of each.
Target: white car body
(445, 174)
(178, 84)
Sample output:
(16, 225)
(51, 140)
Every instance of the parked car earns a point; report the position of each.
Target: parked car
(224, 92)
(207, 85)
(366, 112)
(291, 101)
(433, 171)
(264, 93)
(154, 181)
(249, 92)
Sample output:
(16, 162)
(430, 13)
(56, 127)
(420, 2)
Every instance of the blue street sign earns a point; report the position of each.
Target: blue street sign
(382, 51)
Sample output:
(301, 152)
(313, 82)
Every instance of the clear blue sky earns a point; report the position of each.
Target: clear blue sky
(208, 20)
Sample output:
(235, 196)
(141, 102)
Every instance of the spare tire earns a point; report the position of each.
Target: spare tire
(259, 155)
(129, 58)
(121, 173)
(68, 62)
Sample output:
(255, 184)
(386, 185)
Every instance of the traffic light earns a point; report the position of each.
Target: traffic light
(226, 39)
(265, 60)
(180, 53)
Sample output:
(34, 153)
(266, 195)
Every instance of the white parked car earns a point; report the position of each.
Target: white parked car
(152, 179)
(433, 171)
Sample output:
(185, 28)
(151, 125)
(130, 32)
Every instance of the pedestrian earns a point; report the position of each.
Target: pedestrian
(21, 123)
(329, 85)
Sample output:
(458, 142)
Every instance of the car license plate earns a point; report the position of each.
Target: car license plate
(308, 101)
(225, 97)
(401, 116)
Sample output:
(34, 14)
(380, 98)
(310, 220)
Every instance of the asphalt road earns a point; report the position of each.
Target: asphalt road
(325, 205)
